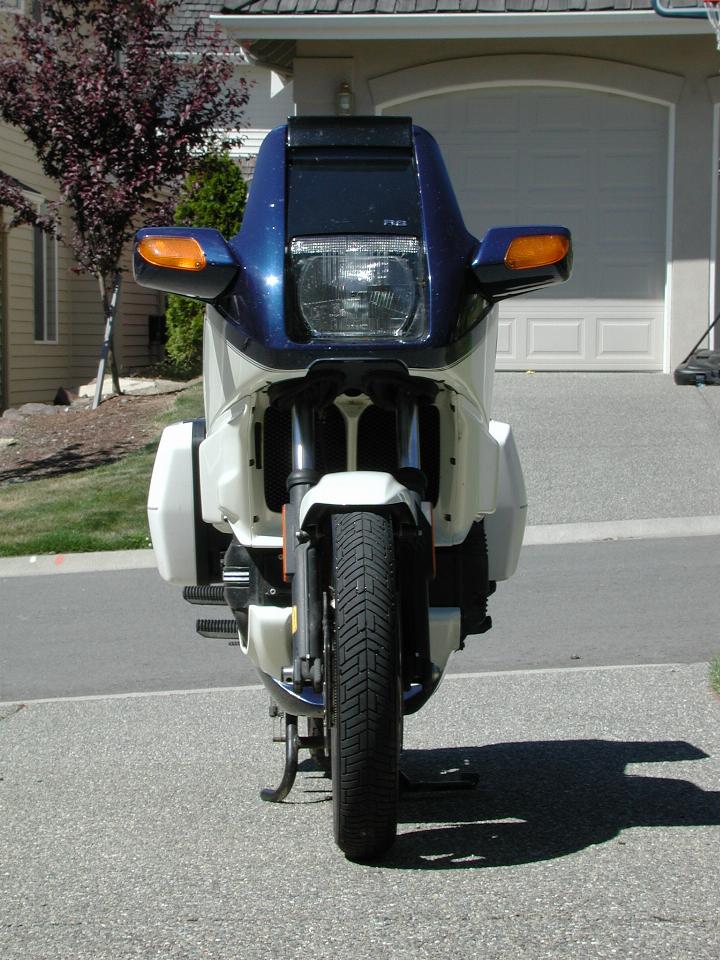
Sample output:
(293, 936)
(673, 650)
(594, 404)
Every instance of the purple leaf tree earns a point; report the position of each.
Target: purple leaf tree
(116, 101)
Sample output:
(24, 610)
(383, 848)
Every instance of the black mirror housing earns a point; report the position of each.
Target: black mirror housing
(543, 255)
(208, 278)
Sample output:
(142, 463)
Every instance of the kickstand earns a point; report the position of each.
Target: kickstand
(291, 764)
(437, 786)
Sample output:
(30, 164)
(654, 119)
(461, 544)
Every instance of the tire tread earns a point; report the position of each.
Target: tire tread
(367, 685)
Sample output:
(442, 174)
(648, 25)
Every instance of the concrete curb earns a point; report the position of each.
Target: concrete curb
(655, 529)
(539, 535)
(46, 564)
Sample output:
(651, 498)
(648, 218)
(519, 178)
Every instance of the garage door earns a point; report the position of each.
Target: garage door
(595, 162)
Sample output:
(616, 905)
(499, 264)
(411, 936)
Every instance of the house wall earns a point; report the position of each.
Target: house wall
(321, 66)
(270, 101)
(34, 371)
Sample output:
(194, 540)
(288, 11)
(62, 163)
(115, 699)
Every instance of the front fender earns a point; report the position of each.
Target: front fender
(356, 490)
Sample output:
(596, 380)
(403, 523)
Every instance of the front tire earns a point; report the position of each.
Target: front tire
(366, 715)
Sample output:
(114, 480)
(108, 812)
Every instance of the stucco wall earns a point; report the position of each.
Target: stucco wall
(321, 66)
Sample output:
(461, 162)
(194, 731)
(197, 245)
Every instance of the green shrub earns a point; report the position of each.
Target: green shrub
(184, 325)
(213, 195)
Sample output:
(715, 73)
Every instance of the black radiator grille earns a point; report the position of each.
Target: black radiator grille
(377, 444)
(377, 447)
(276, 456)
(330, 450)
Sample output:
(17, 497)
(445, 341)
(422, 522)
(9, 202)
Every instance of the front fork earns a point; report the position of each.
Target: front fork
(306, 593)
(310, 620)
(302, 556)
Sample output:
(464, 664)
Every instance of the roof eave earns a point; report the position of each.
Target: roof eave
(438, 26)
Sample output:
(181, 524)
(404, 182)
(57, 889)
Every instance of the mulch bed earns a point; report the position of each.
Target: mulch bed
(62, 440)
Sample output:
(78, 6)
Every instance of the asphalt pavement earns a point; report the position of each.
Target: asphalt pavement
(569, 605)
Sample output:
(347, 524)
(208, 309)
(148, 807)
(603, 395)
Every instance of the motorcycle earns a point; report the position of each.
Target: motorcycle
(347, 495)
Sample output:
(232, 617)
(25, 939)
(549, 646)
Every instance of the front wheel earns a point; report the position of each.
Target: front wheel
(366, 713)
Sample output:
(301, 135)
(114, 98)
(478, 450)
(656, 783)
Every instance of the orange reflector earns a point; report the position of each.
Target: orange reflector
(538, 251)
(286, 578)
(178, 253)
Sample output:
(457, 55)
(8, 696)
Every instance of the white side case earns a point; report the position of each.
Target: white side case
(171, 509)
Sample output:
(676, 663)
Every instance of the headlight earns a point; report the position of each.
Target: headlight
(361, 288)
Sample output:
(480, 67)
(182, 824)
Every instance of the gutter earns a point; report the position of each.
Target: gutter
(455, 26)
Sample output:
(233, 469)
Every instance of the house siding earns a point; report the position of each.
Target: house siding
(34, 371)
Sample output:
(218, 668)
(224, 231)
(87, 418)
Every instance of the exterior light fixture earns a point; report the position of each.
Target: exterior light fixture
(344, 100)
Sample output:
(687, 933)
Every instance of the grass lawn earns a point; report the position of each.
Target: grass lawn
(99, 509)
(715, 675)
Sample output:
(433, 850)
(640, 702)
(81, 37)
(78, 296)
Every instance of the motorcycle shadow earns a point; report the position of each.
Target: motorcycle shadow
(541, 800)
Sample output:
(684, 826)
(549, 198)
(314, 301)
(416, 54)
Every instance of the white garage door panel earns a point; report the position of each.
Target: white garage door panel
(555, 336)
(596, 162)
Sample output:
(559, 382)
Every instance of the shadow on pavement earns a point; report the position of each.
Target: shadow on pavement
(537, 801)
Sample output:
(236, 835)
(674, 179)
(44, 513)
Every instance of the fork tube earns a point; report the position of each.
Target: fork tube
(408, 444)
(413, 550)
(302, 418)
(408, 434)
(305, 583)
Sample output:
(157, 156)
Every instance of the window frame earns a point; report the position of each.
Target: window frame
(45, 313)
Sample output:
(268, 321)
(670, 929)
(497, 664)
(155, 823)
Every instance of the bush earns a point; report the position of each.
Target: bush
(213, 195)
(184, 324)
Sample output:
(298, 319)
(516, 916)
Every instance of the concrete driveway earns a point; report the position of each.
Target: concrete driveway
(132, 827)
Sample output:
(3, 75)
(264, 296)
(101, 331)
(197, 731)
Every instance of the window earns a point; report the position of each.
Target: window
(45, 286)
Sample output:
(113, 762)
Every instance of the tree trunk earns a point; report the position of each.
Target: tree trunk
(110, 310)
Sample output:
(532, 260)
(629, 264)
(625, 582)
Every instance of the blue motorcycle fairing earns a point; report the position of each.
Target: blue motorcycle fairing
(256, 309)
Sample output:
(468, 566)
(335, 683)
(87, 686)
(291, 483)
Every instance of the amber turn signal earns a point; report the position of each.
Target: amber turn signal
(178, 253)
(536, 251)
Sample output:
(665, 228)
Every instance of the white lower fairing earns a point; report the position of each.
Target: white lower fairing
(505, 528)
(236, 398)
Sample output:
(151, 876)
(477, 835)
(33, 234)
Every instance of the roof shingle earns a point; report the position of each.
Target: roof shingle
(409, 7)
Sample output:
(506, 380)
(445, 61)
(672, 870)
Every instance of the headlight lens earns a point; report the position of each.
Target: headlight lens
(360, 288)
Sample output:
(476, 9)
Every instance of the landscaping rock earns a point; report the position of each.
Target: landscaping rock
(12, 414)
(29, 409)
(134, 386)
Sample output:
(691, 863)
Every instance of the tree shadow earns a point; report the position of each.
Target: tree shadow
(71, 459)
(537, 801)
